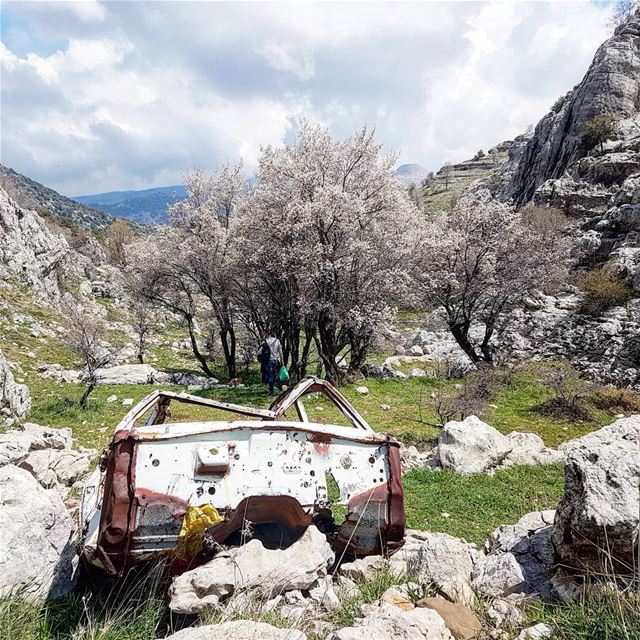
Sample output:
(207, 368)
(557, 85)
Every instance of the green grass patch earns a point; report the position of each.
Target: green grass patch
(605, 614)
(477, 504)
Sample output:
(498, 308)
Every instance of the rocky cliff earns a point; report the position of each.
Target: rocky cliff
(610, 86)
(29, 251)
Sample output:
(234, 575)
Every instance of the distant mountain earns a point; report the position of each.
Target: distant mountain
(148, 206)
(411, 173)
(30, 194)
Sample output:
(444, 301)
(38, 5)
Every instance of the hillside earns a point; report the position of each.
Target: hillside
(32, 195)
(148, 206)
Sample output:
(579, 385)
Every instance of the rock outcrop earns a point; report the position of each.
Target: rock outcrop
(596, 523)
(29, 250)
(15, 400)
(610, 86)
(38, 553)
(47, 454)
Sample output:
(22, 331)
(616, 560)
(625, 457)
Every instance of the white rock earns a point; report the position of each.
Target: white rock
(52, 467)
(529, 448)
(238, 630)
(529, 540)
(418, 373)
(505, 611)
(439, 559)
(38, 551)
(499, 575)
(127, 402)
(471, 446)
(252, 566)
(15, 445)
(537, 632)
(112, 398)
(362, 390)
(364, 569)
(128, 374)
(322, 592)
(390, 623)
(346, 587)
(14, 397)
(416, 350)
(599, 508)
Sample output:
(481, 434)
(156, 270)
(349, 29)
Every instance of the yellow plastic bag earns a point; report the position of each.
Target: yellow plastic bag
(196, 521)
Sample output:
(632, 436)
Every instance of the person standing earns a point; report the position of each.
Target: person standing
(270, 357)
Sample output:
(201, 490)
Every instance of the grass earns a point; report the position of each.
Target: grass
(133, 609)
(605, 614)
(473, 506)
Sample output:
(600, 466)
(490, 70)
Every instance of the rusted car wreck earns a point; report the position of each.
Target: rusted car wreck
(264, 471)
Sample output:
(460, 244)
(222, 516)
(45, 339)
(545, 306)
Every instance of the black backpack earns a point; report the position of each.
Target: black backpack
(265, 352)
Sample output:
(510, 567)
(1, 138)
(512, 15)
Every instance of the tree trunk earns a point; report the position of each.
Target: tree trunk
(328, 350)
(460, 333)
(228, 338)
(202, 361)
(91, 385)
(304, 358)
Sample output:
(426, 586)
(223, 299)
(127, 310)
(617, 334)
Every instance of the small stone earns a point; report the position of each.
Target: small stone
(537, 632)
(127, 402)
(398, 598)
(362, 390)
(460, 620)
(112, 398)
(385, 407)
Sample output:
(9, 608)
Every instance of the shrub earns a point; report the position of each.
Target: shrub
(569, 391)
(617, 400)
(597, 130)
(602, 291)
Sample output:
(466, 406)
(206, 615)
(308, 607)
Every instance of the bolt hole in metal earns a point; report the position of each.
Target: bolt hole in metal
(155, 462)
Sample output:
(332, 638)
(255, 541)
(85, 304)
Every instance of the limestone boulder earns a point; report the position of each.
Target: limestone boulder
(529, 448)
(440, 560)
(16, 444)
(38, 551)
(388, 622)
(529, 540)
(52, 467)
(596, 521)
(253, 567)
(471, 446)
(499, 575)
(15, 400)
(237, 630)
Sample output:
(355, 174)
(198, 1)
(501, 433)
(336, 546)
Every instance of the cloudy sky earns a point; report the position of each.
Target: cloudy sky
(101, 96)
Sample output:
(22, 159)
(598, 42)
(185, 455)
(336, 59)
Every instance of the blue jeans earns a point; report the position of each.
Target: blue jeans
(271, 375)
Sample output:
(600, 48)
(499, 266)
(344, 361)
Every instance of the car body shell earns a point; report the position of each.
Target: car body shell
(263, 472)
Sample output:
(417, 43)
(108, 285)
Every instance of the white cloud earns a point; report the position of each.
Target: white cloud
(84, 10)
(284, 57)
(140, 92)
